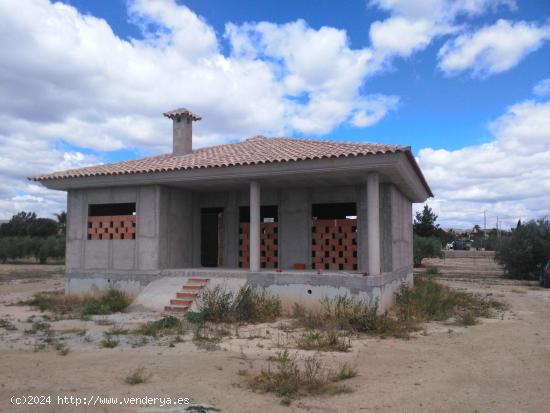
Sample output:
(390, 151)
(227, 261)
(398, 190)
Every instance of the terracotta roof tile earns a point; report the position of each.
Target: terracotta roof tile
(257, 150)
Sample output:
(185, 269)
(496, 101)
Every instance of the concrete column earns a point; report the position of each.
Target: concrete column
(231, 231)
(255, 226)
(373, 217)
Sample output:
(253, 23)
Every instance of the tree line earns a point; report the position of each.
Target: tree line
(522, 251)
(27, 236)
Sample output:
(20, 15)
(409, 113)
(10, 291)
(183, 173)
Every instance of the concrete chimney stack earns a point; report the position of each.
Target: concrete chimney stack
(182, 122)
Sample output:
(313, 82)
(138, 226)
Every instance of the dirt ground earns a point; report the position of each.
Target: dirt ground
(500, 365)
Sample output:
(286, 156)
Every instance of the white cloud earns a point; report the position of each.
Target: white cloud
(371, 110)
(542, 88)
(413, 25)
(23, 155)
(492, 49)
(402, 36)
(72, 78)
(320, 75)
(508, 176)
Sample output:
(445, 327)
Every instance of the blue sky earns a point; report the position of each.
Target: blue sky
(436, 110)
(464, 82)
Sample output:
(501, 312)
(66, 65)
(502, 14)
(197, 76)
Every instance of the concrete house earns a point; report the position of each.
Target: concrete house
(302, 218)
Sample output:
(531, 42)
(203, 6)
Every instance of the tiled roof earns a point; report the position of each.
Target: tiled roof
(253, 151)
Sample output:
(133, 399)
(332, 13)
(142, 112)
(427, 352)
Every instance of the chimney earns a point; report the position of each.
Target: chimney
(182, 121)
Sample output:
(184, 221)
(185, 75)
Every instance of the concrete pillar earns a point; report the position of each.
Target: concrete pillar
(255, 226)
(373, 217)
(231, 231)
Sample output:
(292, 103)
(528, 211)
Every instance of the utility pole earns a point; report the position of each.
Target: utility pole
(498, 233)
(484, 228)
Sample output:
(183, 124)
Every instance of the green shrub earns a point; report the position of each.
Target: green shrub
(525, 252)
(112, 301)
(325, 340)
(249, 305)
(256, 306)
(347, 313)
(18, 247)
(427, 301)
(291, 378)
(467, 318)
(7, 325)
(168, 324)
(79, 305)
(425, 248)
(109, 342)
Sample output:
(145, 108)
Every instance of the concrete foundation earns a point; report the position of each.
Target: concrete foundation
(303, 287)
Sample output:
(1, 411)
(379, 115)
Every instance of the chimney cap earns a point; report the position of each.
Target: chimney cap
(181, 113)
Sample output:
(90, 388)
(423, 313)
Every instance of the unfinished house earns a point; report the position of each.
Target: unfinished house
(301, 218)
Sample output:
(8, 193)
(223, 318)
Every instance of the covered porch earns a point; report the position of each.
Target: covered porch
(353, 221)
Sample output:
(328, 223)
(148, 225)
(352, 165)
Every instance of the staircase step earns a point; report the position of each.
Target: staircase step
(199, 280)
(174, 309)
(191, 295)
(192, 287)
(181, 302)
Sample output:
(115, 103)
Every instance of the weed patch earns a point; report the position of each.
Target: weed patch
(39, 326)
(164, 326)
(324, 340)
(209, 333)
(137, 377)
(111, 302)
(61, 348)
(290, 378)
(248, 305)
(109, 342)
(7, 325)
(427, 301)
(75, 306)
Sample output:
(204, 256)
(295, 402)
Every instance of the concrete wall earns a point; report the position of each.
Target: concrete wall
(94, 258)
(176, 228)
(295, 228)
(401, 231)
(168, 231)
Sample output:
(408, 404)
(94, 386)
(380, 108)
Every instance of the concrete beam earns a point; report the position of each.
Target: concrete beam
(254, 226)
(373, 217)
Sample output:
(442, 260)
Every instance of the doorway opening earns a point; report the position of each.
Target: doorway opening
(212, 237)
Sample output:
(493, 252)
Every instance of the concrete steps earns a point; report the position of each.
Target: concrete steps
(184, 298)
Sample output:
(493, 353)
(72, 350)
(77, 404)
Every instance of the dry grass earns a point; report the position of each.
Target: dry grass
(75, 306)
(7, 325)
(249, 305)
(290, 377)
(165, 326)
(136, 377)
(210, 333)
(427, 301)
(324, 340)
(109, 342)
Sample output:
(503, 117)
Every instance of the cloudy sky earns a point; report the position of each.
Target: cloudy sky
(466, 83)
